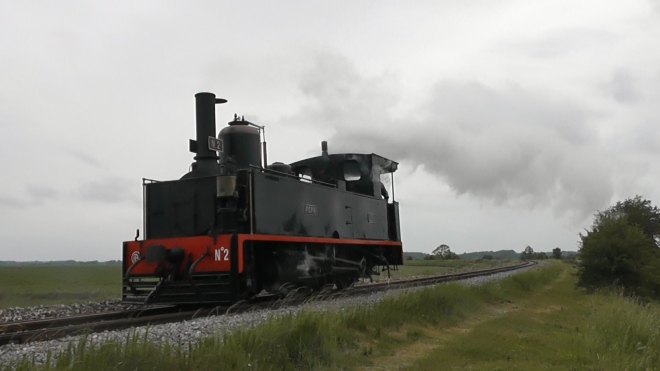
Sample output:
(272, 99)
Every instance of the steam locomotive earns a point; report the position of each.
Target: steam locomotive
(234, 226)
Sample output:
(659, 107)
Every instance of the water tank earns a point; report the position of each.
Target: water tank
(240, 144)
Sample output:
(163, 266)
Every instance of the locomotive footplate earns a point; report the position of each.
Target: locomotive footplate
(201, 288)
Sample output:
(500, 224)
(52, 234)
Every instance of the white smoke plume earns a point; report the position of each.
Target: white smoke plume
(505, 144)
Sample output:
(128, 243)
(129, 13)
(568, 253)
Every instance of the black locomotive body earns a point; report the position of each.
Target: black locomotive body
(233, 226)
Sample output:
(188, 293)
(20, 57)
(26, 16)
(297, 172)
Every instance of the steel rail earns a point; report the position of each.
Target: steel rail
(29, 331)
(20, 332)
(68, 321)
(25, 332)
(444, 277)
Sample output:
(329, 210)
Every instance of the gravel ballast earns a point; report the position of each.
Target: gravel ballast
(19, 314)
(192, 331)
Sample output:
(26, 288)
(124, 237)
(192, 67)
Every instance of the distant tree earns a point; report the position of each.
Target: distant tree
(487, 257)
(444, 252)
(409, 258)
(451, 256)
(527, 254)
(621, 248)
(539, 256)
(556, 253)
(440, 250)
(428, 257)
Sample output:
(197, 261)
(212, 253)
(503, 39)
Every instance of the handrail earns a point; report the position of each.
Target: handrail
(128, 273)
(275, 171)
(292, 176)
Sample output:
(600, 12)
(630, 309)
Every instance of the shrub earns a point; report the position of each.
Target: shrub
(617, 253)
(556, 253)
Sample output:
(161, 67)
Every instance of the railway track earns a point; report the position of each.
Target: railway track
(29, 331)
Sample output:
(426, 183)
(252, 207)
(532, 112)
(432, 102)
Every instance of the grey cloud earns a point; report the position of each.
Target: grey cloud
(655, 4)
(508, 145)
(36, 195)
(40, 193)
(622, 86)
(562, 42)
(338, 95)
(110, 190)
(11, 202)
(83, 157)
(478, 109)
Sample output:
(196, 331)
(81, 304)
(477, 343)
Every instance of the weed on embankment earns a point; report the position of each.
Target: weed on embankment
(623, 333)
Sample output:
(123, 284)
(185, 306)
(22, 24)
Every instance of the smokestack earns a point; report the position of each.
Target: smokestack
(324, 148)
(206, 142)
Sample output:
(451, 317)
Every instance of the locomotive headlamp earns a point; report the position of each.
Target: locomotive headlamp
(226, 185)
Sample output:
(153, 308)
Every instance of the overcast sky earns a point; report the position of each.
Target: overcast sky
(513, 121)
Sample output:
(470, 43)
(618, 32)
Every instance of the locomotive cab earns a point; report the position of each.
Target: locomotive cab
(234, 226)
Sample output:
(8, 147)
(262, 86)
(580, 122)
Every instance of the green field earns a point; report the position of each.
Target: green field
(45, 284)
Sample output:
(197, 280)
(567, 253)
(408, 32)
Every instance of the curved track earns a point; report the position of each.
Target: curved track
(23, 332)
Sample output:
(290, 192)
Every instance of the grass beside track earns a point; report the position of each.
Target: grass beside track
(559, 328)
(310, 340)
(46, 285)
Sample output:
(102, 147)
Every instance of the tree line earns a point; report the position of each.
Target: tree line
(442, 252)
(529, 254)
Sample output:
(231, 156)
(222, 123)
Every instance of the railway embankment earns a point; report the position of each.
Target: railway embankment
(189, 338)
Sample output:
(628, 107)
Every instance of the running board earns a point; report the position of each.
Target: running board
(205, 289)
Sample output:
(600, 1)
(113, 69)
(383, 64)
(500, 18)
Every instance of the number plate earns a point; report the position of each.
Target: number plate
(222, 254)
(215, 144)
